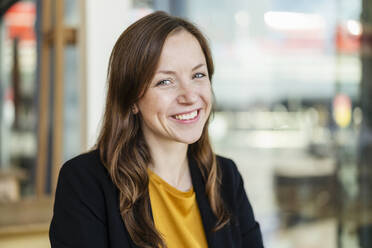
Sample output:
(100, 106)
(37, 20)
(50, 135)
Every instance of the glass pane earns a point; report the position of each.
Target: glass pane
(71, 14)
(17, 101)
(72, 104)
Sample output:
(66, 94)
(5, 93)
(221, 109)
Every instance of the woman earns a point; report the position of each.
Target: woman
(152, 179)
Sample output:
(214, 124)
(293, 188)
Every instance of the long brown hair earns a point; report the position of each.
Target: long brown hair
(122, 146)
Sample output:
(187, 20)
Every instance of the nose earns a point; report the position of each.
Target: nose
(188, 94)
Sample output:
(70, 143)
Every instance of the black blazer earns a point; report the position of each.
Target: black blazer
(86, 208)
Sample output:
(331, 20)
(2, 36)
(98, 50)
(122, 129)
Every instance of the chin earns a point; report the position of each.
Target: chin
(190, 139)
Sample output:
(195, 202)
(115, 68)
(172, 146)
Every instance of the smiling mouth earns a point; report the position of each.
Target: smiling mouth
(187, 116)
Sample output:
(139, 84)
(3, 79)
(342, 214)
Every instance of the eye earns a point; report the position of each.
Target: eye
(164, 82)
(199, 75)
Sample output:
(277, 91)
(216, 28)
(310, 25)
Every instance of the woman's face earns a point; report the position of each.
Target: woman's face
(178, 101)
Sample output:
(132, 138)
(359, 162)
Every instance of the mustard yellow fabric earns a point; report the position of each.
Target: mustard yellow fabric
(176, 214)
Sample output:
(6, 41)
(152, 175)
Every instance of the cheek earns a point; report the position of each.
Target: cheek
(206, 94)
(152, 104)
(145, 105)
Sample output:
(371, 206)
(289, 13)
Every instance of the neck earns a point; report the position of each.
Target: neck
(169, 161)
(170, 158)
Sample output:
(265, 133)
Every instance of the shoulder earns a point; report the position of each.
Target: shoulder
(80, 199)
(231, 179)
(82, 180)
(237, 202)
(229, 170)
(225, 163)
(84, 174)
(87, 164)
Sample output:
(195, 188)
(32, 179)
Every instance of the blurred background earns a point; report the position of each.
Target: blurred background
(293, 85)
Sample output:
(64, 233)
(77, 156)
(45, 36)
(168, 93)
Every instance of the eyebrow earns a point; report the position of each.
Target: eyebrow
(173, 72)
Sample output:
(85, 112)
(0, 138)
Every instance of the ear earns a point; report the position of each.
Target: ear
(134, 109)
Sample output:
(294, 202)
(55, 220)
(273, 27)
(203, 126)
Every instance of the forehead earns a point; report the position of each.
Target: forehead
(181, 49)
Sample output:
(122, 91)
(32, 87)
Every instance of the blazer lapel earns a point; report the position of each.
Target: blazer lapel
(206, 213)
(221, 238)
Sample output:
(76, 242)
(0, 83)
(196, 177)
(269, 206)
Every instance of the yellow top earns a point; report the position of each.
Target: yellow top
(176, 214)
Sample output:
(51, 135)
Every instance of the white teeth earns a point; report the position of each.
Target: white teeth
(188, 116)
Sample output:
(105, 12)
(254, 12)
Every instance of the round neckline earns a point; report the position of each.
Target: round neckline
(160, 181)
